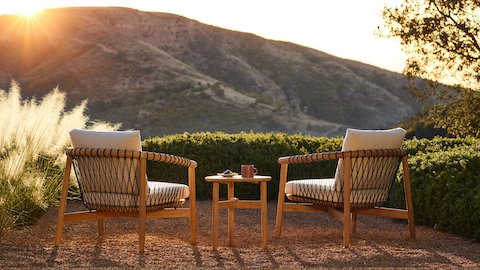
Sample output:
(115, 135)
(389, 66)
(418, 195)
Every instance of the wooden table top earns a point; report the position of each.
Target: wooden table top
(237, 179)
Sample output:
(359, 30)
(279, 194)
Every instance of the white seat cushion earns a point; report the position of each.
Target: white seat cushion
(159, 193)
(324, 190)
(317, 189)
(168, 192)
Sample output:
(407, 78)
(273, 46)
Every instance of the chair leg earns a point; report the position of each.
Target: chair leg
(141, 233)
(101, 226)
(281, 200)
(142, 215)
(192, 205)
(354, 222)
(193, 225)
(408, 197)
(346, 228)
(411, 225)
(63, 201)
(346, 203)
(279, 222)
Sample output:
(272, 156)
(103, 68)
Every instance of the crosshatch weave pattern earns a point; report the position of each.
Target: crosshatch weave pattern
(108, 180)
(372, 173)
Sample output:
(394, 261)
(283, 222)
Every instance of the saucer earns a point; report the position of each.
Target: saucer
(227, 174)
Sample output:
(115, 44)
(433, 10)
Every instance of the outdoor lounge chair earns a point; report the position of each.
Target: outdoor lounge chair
(366, 169)
(111, 171)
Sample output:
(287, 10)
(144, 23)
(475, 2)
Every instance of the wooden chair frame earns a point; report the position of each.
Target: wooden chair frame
(347, 215)
(142, 214)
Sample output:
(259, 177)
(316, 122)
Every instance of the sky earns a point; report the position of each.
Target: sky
(344, 28)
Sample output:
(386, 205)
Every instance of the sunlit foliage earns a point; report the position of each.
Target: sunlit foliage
(441, 39)
(33, 137)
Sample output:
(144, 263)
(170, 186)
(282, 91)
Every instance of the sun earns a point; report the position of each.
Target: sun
(31, 11)
(27, 9)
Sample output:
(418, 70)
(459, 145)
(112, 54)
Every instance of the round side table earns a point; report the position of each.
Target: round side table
(232, 203)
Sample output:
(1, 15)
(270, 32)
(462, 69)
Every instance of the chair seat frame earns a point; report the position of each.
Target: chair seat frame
(347, 215)
(142, 214)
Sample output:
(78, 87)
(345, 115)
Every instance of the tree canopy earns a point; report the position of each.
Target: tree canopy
(442, 41)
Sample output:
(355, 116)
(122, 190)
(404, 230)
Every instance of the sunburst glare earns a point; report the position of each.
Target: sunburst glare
(31, 11)
(28, 9)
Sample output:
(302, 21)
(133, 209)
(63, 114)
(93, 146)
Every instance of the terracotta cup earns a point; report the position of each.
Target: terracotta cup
(248, 171)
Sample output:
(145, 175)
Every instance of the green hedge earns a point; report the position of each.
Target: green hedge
(445, 176)
(445, 173)
(216, 152)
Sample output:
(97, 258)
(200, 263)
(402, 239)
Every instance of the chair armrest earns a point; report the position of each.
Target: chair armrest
(171, 159)
(122, 153)
(307, 158)
(298, 159)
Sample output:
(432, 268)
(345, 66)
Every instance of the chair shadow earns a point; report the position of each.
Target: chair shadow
(382, 258)
(240, 261)
(219, 259)
(97, 261)
(299, 260)
(197, 256)
(52, 257)
(238, 257)
(272, 260)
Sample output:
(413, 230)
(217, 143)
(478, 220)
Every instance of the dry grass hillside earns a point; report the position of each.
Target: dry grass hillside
(164, 73)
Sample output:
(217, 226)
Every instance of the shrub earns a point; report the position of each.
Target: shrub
(445, 176)
(33, 138)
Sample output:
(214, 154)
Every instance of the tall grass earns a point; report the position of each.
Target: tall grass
(33, 136)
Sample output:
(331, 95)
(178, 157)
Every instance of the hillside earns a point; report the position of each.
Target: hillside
(163, 74)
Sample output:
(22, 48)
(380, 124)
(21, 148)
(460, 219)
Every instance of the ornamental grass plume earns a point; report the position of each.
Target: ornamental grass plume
(33, 137)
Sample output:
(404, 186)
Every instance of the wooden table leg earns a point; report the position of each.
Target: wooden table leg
(231, 213)
(215, 215)
(263, 199)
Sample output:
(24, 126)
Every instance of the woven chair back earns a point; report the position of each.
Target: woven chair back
(372, 173)
(371, 179)
(108, 183)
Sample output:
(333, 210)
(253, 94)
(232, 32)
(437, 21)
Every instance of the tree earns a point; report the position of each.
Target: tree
(442, 41)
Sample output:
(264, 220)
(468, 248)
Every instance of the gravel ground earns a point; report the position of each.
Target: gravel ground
(309, 240)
